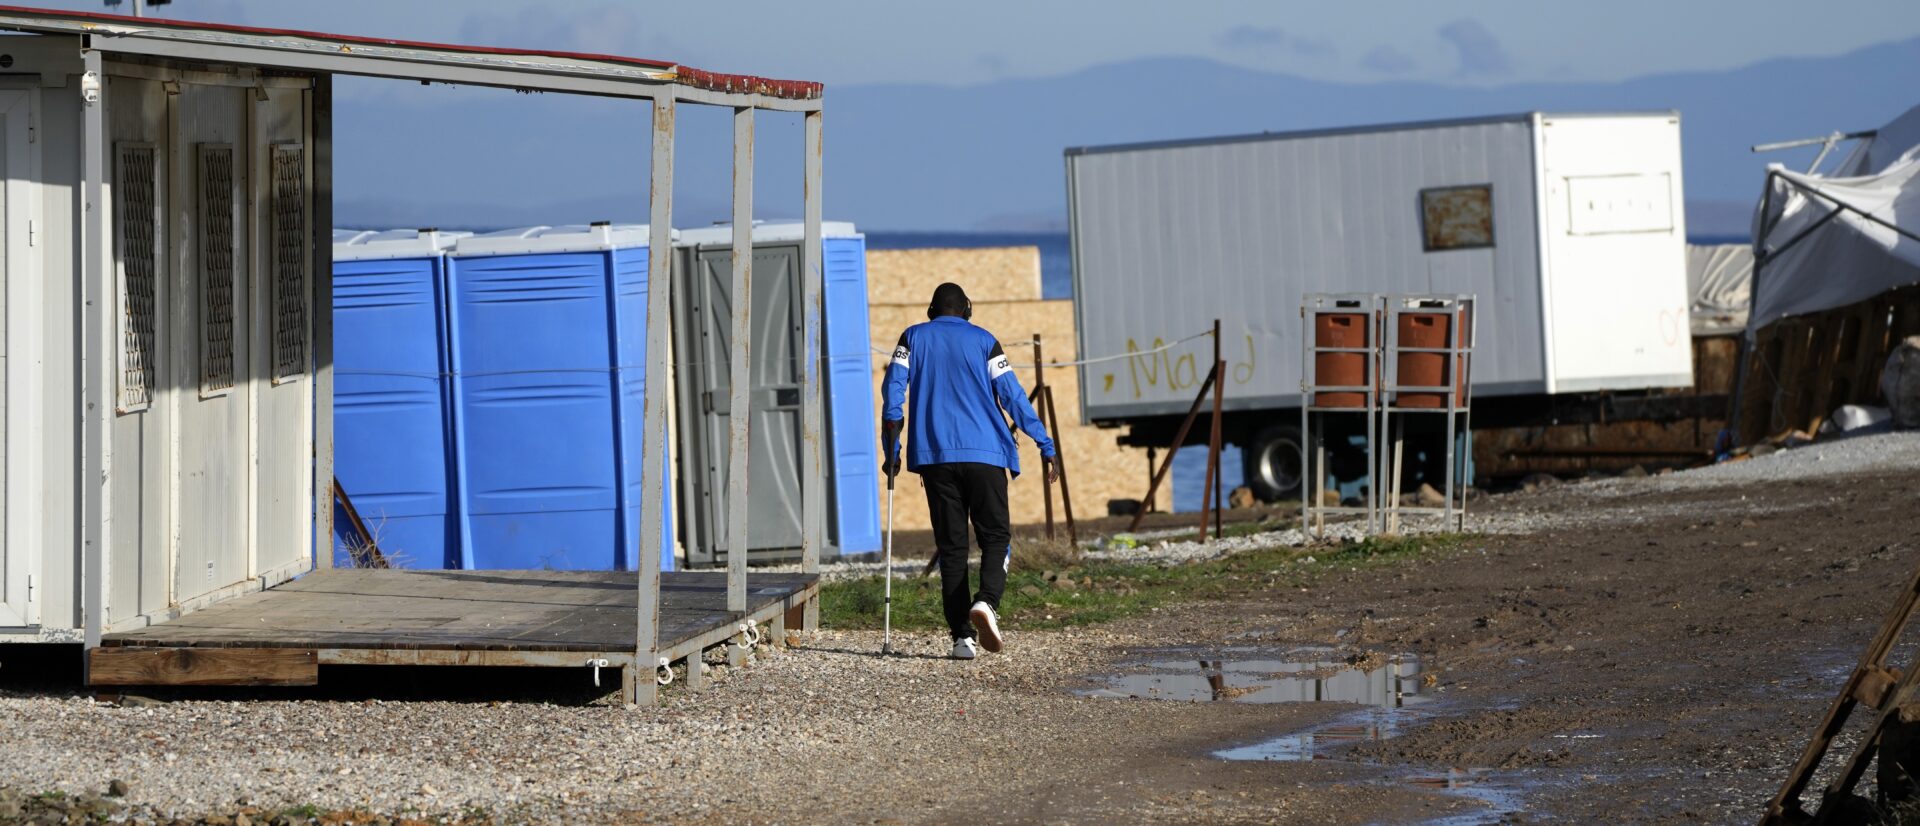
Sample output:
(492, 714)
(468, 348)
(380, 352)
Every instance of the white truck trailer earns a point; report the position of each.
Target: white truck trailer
(1568, 228)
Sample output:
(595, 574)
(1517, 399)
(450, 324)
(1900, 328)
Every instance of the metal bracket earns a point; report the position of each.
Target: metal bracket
(663, 672)
(596, 664)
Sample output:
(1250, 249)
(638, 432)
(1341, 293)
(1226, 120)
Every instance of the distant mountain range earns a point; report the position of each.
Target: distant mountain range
(988, 157)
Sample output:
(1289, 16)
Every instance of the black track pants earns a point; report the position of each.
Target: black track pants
(960, 493)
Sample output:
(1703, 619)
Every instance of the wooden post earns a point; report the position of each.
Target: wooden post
(1219, 395)
(1178, 438)
(1040, 395)
(1210, 497)
(1060, 461)
(1146, 505)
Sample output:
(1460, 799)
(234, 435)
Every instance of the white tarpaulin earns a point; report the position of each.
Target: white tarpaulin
(1831, 241)
(1720, 281)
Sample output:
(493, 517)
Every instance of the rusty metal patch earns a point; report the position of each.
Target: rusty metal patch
(1457, 217)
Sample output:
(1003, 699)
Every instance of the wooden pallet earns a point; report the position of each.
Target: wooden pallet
(1802, 368)
(281, 636)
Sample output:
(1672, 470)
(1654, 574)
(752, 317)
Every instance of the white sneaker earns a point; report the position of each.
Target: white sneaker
(964, 649)
(987, 625)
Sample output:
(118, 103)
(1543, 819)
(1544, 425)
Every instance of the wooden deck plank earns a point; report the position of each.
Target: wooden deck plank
(460, 610)
(187, 666)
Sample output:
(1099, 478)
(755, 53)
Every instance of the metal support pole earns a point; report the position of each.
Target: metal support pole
(813, 498)
(740, 370)
(695, 681)
(96, 347)
(1219, 395)
(1040, 394)
(653, 482)
(320, 279)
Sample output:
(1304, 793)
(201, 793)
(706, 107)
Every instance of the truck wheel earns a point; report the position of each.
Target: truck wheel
(1272, 463)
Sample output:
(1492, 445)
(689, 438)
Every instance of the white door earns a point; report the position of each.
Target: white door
(19, 365)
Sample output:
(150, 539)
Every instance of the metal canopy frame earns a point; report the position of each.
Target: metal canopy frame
(664, 84)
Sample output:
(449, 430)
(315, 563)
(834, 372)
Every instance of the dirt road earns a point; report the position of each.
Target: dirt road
(1662, 661)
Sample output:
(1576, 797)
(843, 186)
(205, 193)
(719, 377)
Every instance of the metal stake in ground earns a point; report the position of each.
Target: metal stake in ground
(886, 622)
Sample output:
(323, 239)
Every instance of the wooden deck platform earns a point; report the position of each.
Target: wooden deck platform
(282, 635)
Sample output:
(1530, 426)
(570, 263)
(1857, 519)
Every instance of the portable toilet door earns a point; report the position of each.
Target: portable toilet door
(392, 398)
(703, 367)
(547, 332)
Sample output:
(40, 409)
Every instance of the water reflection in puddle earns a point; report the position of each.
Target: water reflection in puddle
(1318, 742)
(1303, 675)
(1390, 684)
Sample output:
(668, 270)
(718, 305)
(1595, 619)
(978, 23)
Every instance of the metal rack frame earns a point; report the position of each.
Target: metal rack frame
(1313, 454)
(1458, 408)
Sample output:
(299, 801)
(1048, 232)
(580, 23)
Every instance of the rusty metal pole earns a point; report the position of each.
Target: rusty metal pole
(1146, 505)
(639, 684)
(740, 369)
(1040, 394)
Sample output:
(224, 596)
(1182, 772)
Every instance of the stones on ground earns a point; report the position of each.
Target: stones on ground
(1427, 497)
(1242, 497)
(1031, 590)
(1538, 481)
(118, 788)
(1635, 472)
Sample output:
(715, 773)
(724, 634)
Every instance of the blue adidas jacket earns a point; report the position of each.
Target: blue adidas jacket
(957, 380)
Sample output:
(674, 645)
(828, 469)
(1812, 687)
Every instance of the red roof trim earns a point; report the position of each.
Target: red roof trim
(685, 75)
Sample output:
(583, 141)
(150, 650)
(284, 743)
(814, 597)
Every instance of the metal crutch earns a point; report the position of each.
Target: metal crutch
(886, 639)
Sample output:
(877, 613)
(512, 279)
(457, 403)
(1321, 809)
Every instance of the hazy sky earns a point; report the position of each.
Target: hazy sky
(882, 41)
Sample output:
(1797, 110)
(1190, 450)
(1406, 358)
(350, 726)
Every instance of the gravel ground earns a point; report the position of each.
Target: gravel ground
(1694, 621)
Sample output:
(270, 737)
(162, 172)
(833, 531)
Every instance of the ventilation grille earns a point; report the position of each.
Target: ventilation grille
(216, 267)
(289, 205)
(139, 234)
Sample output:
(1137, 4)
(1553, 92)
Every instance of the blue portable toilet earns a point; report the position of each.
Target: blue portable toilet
(703, 299)
(547, 342)
(391, 395)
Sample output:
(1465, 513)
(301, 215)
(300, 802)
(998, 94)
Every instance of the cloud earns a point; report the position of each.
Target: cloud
(599, 30)
(1387, 60)
(1250, 38)
(1480, 52)
(1246, 36)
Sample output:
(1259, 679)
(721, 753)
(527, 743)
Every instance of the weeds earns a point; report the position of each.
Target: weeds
(1084, 592)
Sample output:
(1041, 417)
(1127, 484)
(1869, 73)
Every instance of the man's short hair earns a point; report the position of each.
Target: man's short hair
(949, 299)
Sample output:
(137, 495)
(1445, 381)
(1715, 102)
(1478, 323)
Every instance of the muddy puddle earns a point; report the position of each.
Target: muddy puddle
(1396, 688)
(1255, 675)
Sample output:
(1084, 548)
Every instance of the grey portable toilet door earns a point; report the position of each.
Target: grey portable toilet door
(774, 486)
(19, 330)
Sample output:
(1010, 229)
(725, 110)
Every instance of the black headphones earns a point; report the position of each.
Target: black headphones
(933, 307)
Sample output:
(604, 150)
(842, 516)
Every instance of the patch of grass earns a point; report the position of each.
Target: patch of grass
(1088, 591)
(304, 811)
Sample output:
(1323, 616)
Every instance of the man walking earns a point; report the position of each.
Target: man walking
(957, 381)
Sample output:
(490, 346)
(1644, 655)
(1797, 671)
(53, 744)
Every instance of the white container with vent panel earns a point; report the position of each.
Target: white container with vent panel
(205, 433)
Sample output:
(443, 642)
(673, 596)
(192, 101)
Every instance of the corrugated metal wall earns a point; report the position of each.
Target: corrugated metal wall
(1168, 238)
